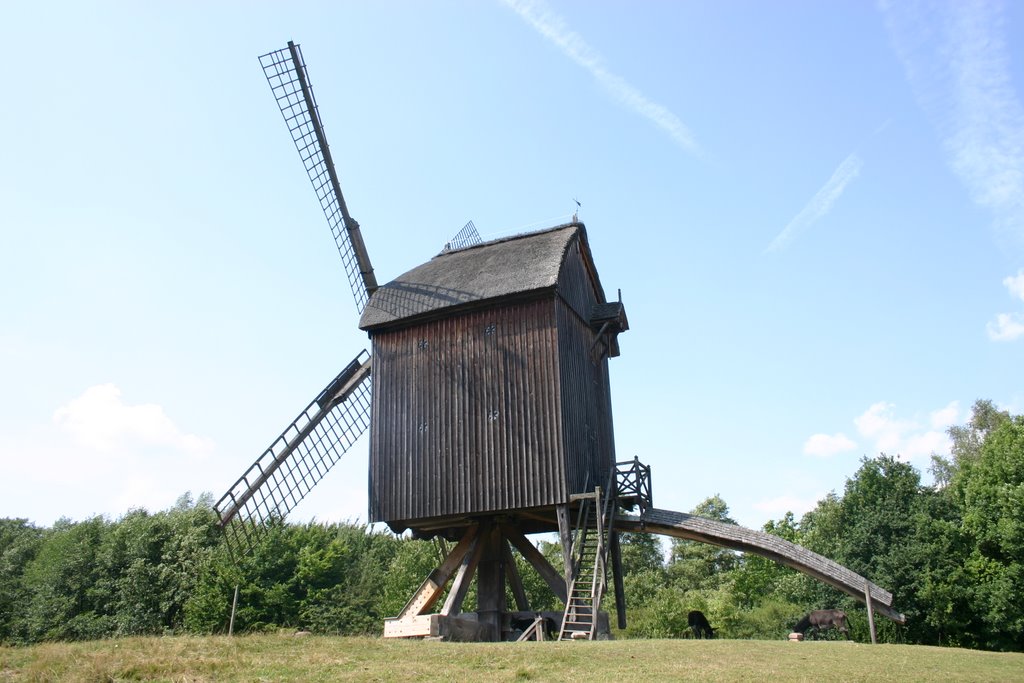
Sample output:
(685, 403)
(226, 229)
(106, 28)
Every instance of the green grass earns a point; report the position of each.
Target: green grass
(284, 657)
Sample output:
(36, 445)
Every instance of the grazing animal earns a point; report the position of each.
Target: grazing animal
(824, 619)
(699, 625)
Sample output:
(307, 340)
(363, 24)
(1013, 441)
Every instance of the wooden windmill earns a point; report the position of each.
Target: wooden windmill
(490, 419)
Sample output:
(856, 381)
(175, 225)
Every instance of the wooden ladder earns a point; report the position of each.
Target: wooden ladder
(590, 553)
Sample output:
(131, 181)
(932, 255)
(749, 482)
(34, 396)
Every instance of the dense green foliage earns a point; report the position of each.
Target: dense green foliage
(952, 553)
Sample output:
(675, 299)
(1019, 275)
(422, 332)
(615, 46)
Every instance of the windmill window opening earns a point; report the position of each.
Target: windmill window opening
(423, 344)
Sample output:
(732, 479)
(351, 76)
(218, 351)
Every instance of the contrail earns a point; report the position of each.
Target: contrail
(822, 202)
(537, 14)
(959, 67)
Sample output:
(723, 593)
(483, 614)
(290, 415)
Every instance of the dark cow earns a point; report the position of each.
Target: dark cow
(824, 619)
(699, 625)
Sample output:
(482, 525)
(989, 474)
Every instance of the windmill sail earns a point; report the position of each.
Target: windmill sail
(298, 459)
(467, 237)
(286, 74)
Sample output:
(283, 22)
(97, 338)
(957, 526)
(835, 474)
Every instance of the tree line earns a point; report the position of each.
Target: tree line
(951, 552)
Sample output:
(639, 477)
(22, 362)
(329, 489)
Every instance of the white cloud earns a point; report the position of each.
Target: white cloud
(1015, 284)
(99, 455)
(1009, 326)
(903, 437)
(879, 425)
(875, 421)
(99, 420)
(958, 65)
(945, 417)
(821, 203)
(924, 444)
(538, 15)
(824, 445)
(1006, 327)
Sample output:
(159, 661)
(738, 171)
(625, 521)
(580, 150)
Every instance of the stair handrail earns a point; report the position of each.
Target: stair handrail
(597, 584)
(579, 540)
(605, 525)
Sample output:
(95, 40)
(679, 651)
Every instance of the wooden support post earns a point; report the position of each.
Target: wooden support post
(514, 580)
(554, 580)
(871, 612)
(490, 583)
(620, 591)
(565, 536)
(234, 608)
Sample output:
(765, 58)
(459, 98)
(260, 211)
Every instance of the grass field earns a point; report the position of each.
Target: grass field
(312, 658)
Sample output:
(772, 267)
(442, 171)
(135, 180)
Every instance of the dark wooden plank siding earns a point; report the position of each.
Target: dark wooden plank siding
(586, 412)
(575, 285)
(466, 415)
(585, 392)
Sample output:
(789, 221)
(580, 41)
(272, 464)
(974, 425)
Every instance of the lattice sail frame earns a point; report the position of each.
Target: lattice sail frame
(298, 459)
(286, 73)
(467, 237)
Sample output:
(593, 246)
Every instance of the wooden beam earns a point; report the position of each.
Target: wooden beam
(408, 627)
(555, 581)
(463, 579)
(430, 590)
(533, 631)
(565, 537)
(871, 614)
(620, 590)
(490, 583)
(514, 580)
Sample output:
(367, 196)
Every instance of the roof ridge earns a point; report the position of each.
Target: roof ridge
(510, 238)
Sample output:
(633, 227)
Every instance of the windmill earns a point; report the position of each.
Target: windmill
(490, 420)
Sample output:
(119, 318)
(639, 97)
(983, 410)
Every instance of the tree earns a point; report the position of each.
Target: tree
(19, 543)
(946, 614)
(65, 598)
(989, 486)
(880, 518)
(967, 441)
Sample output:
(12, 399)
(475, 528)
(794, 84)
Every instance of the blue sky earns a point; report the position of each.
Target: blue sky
(814, 211)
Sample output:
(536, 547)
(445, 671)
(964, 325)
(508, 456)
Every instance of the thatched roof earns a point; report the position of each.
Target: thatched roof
(506, 267)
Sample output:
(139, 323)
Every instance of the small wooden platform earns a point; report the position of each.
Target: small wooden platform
(461, 628)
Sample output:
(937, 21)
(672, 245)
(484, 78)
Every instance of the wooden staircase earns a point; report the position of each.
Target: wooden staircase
(590, 557)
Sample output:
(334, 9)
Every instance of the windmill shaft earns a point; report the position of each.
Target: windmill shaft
(351, 226)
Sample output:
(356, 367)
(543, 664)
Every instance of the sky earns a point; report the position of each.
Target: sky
(814, 213)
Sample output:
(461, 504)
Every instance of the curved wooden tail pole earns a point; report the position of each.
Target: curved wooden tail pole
(694, 528)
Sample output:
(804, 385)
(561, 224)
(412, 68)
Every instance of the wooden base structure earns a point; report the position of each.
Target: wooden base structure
(483, 552)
